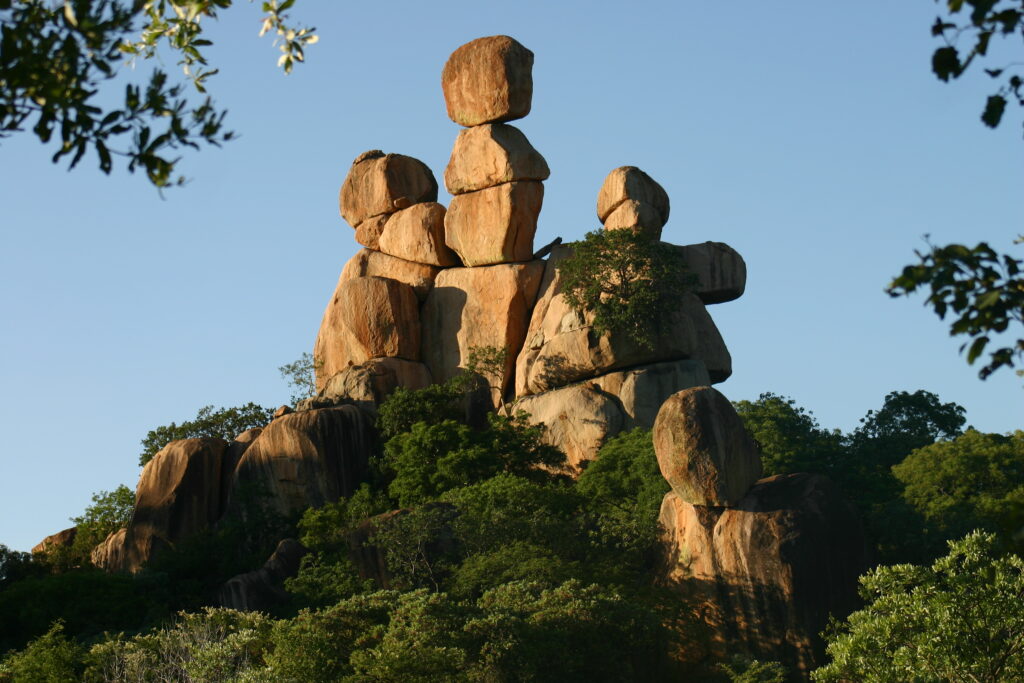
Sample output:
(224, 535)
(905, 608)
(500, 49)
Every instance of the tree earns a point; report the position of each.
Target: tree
(626, 279)
(986, 19)
(984, 289)
(301, 376)
(789, 436)
(109, 511)
(57, 58)
(224, 423)
(956, 620)
(973, 481)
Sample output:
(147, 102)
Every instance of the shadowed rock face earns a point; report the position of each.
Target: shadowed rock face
(304, 459)
(581, 417)
(61, 539)
(766, 574)
(263, 588)
(179, 494)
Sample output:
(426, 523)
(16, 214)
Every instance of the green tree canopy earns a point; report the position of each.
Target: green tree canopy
(224, 423)
(58, 61)
(789, 436)
(956, 620)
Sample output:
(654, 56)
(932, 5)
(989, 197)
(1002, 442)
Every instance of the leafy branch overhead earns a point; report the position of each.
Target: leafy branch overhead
(984, 289)
(986, 19)
(56, 61)
(626, 279)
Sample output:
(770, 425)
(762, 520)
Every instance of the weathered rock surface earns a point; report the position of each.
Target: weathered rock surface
(492, 154)
(110, 554)
(581, 417)
(369, 231)
(179, 494)
(635, 216)
(368, 384)
(381, 183)
(61, 539)
(765, 575)
(368, 317)
(477, 307)
(488, 80)
(305, 459)
(704, 451)
(561, 347)
(629, 182)
(263, 589)
(417, 234)
(236, 449)
(720, 270)
(370, 263)
(495, 225)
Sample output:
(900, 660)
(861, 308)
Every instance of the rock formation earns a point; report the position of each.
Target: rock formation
(766, 560)
(763, 563)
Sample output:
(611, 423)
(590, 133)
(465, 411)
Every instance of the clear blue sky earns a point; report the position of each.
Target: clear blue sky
(810, 136)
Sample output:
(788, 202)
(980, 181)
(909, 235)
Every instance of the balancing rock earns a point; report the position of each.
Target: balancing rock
(488, 80)
(495, 225)
(704, 451)
(630, 183)
(381, 183)
(492, 154)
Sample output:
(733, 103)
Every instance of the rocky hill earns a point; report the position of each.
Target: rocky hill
(763, 561)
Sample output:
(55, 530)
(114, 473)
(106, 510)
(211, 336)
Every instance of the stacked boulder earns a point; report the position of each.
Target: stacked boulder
(496, 179)
(763, 562)
(587, 387)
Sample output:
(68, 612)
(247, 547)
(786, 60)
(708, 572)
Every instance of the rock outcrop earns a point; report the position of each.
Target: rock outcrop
(301, 460)
(494, 225)
(631, 199)
(704, 452)
(488, 80)
(370, 263)
(178, 495)
(766, 574)
(263, 589)
(416, 234)
(367, 385)
(492, 154)
(61, 539)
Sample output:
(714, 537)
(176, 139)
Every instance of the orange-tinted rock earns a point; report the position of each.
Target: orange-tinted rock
(704, 451)
(370, 263)
(495, 225)
(110, 555)
(629, 182)
(304, 459)
(369, 231)
(282, 411)
(368, 317)
(488, 80)
(368, 384)
(635, 216)
(477, 307)
(561, 347)
(765, 575)
(720, 270)
(489, 155)
(179, 494)
(381, 183)
(581, 417)
(417, 234)
(263, 589)
(61, 539)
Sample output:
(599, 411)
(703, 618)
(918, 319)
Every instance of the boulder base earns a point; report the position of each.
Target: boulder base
(704, 451)
(765, 575)
(495, 225)
(370, 263)
(368, 317)
(488, 80)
